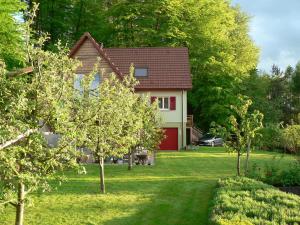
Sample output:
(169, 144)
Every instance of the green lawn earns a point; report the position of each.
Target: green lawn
(177, 190)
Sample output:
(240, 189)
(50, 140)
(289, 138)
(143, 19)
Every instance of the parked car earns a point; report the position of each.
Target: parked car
(210, 140)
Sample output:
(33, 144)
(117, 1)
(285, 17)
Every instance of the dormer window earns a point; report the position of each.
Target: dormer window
(141, 72)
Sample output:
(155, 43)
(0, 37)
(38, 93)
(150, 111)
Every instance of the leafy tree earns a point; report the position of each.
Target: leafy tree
(219, 63)
(257, 87)
(67, 20)
(114, 118)
(241, 129)
(31, 103)
(11, 39)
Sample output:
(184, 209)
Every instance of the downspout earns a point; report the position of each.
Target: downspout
(182, 119)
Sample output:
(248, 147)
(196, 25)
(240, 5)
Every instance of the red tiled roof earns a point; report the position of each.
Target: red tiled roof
(168, 68)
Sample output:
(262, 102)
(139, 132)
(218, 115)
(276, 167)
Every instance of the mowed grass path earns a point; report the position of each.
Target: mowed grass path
(177, 190)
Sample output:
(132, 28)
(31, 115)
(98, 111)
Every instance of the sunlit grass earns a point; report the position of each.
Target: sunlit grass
(177, 190)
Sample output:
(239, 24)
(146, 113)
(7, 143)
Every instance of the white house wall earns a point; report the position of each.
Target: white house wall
(173, 118)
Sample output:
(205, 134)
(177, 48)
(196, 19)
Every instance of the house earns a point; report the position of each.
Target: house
(163, 74)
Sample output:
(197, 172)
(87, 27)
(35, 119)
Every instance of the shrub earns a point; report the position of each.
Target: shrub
(269, 138)
(246, 201)
(275, 174)
(291, 138)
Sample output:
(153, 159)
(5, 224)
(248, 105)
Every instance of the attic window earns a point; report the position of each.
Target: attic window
(141, 72)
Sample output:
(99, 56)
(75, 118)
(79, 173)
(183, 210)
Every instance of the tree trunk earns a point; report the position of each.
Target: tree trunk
(238, 166)
(130, 156)
(20, 205)
(101, 171)
(154, 156)
(248, 156)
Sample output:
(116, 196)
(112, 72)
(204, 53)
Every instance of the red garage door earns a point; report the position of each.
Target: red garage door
(171, 140)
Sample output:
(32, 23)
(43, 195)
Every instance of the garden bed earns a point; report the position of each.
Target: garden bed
(247, 201)
(293, 190)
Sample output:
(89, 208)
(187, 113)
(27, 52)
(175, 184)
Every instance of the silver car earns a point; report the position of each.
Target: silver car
(210, 140)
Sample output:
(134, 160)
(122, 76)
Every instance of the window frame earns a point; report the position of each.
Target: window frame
(163, 103)
(141, 68)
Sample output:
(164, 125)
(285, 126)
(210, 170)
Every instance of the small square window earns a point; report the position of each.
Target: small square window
(163, 103)
(140, 72)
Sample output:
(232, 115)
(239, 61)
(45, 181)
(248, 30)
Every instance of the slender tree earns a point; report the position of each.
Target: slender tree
(241, 128)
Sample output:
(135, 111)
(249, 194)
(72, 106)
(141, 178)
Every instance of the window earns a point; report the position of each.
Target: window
(93, 90)
(140, 72)
(163, 103)
(77, 83)
(94, 85)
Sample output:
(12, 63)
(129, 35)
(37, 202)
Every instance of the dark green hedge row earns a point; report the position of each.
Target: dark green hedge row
(244, 201)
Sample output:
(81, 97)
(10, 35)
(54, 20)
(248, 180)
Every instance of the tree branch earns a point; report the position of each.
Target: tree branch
(18, 138)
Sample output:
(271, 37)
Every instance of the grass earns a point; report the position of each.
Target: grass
(247, 201)
(177, 190)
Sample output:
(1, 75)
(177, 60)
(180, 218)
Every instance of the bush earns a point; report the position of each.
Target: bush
(269, 137)
(291, 138)
(246, 201)
(274, 174)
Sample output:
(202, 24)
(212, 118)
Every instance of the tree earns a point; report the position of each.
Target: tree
(11, 39)
(150, 133)
(111, 123)
(31, 103)
(67, 20)
(219, 63)
(241, 129)
(258, 88)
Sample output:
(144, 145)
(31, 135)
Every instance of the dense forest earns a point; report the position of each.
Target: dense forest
(223, 57)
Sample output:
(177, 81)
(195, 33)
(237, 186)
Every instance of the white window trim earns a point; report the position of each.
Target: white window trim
(163, 103)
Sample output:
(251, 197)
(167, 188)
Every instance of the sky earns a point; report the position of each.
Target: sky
(275, 28)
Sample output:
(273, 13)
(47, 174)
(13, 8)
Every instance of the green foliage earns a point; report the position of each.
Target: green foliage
(32, 106)
(296, 80)
(269, 138)
(258, 87)
(116, 118)
(246, 201)
(291, 138)
(241, 129)
(275, 94)
(11, 30)
(274, 173)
